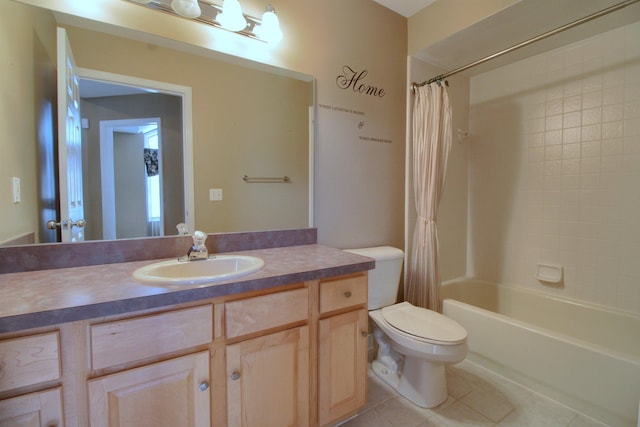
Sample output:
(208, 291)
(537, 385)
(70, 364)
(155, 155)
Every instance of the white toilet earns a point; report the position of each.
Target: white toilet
(414, 344)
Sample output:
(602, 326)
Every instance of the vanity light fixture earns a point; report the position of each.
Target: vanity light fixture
(231, 17)
(186, 8)
(228, 17)
(269, 30)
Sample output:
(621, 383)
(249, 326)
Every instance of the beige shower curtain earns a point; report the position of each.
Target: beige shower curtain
(430, 149)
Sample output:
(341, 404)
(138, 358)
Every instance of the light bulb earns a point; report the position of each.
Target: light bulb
(186, 8)
(269, 30)
(231, 17)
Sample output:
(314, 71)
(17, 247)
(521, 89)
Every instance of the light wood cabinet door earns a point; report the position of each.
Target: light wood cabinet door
(172, 393)
(268, 380)
(342, 365)
(41, 409)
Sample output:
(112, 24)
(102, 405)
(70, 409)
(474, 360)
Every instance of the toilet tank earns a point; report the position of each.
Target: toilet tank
(384, 279)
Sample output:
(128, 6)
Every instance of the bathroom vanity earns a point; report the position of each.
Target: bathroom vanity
(282, 346)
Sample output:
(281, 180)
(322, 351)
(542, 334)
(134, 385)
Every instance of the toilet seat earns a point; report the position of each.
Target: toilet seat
(424, 325)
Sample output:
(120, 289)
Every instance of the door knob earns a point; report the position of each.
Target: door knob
(204, 385)
(65, 224)
(235, 375)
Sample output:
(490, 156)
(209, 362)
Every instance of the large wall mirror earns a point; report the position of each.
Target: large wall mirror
(168, 136)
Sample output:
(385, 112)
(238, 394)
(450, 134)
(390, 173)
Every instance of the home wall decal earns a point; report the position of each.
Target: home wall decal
(354, 80)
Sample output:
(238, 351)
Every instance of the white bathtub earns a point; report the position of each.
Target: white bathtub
(585, 357)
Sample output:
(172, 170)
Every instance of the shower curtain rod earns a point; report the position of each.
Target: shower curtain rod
(587, 18)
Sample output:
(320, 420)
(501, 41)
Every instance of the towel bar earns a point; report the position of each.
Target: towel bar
(247, 178)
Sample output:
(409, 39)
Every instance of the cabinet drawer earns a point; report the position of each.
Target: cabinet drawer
(336, 294)
(129, 340)
(29, 360)
(255, 314)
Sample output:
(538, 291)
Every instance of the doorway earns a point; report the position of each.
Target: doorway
(146, 190)
(131, 161)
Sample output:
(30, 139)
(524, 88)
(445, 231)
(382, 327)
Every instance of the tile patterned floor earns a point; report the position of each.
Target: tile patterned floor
(477, 397)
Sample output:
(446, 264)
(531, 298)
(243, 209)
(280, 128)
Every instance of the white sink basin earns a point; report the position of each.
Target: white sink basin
(220, 267)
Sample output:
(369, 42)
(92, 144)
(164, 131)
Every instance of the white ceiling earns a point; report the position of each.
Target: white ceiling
(405, 8)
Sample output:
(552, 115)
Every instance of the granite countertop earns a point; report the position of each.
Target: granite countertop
(45, 297)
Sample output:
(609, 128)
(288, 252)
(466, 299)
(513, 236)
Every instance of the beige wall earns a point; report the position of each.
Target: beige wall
(555, 167)
(359, 182)
(20, 30)
(359, 186)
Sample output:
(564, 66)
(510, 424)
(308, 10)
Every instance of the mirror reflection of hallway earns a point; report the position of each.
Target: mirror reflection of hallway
(129, 193)
(131, 170)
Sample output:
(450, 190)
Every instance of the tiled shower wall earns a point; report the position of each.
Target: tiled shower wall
(554, 170)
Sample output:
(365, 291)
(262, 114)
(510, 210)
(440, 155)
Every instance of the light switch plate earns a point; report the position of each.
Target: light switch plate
(15, 181)
(215, 194)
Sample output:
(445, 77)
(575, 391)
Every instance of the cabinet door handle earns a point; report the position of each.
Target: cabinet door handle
(347, 294)
(235, 375)
(204, 385)
(364, 333)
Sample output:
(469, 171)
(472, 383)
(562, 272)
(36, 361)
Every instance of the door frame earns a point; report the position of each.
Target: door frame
(185, 93)
(107, 172)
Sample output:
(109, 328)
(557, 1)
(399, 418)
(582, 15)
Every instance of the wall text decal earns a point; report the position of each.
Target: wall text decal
(354, 80)
(342, 109)
(361, 125)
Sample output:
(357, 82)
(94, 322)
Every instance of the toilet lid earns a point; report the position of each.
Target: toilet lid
(423, 323)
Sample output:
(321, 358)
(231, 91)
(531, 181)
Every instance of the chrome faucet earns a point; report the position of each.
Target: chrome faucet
(198, 250)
